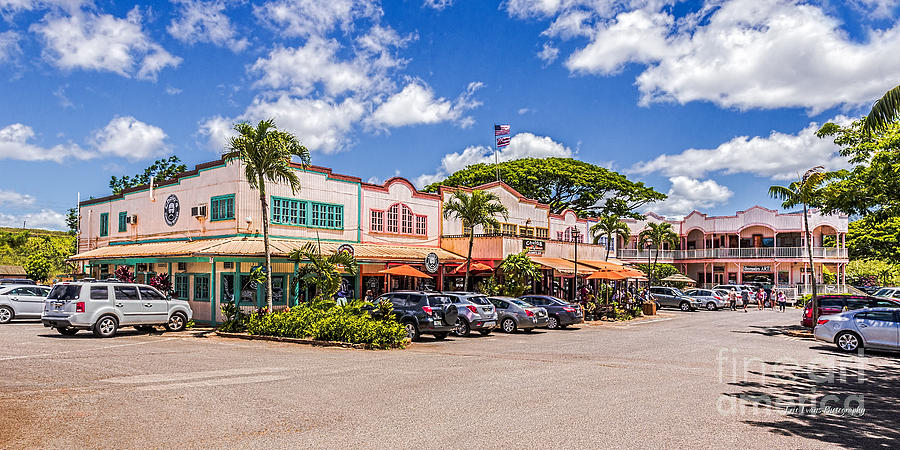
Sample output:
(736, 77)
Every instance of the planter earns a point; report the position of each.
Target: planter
(649, 309)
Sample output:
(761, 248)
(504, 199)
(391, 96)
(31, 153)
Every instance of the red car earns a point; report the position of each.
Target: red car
(833, 304)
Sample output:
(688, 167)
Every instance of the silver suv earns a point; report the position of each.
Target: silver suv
(103, 307)
(476, 313)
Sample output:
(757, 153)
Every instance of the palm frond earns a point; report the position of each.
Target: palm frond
(884, 112)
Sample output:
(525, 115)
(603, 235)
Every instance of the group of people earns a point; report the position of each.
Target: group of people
(761, 297)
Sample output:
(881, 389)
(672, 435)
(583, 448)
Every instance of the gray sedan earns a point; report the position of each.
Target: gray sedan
(514, 314)
(711, 299)
(874, 328)
(22, 302)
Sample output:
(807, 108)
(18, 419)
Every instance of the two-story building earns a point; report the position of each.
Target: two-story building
(758, 244)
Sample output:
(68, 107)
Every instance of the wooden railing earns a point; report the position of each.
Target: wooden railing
(733, 253)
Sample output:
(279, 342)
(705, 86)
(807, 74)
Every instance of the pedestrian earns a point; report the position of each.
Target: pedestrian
(760, 297)
(732, 299)
(781, 301)
(370, 296)
(745, 298)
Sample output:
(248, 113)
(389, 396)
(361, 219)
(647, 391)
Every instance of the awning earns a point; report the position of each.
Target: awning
(608, 274)
(562, 265)
(678, 278)
(476, 267)
(405, 271)
(601, 264)
(253, 247)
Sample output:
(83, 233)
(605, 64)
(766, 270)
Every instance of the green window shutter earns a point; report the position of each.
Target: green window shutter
(221, 208)
(104, 224)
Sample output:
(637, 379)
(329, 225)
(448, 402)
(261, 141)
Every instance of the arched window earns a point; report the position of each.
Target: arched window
(400, 220)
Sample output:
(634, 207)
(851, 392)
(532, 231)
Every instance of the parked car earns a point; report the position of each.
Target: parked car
(517, 314)
(422, 312)
(22, 302)
(709, 297)
(739, 301)
(476, 313)
(669, 297)
(560, 312)
(888, 292)
(106, 307)
(17, 281)
(869, 290)
(834, 304)
(875, 328)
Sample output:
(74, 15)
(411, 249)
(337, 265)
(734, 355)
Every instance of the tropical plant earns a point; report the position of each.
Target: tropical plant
(266, 154)
(518, 271)
(124, 274)
(161, 281)
(655, 235)
(323, 271)
(476, 209)
(609, 226)
(884, 112)
(807, 192)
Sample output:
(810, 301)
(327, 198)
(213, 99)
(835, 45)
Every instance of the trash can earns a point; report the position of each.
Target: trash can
(649, 309)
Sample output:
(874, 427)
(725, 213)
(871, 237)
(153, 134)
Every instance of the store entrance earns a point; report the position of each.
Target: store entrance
(756, 277)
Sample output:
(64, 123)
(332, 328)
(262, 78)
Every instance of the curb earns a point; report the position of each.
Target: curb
(253, 337)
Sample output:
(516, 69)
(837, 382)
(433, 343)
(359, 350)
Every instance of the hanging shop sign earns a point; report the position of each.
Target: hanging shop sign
(171, 209)
(432, 262)
(346, 248)
(757, 268)
(534, 246)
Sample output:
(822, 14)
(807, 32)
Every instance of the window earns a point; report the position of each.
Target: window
(221, 208)
(406, 220)
(377, 221)
(65, 292)
(182, 286)
(201, 288)
(123, 216)
(126, 292)
(402, 220)
(99, 292)
(421, 226)
(228, 265)
(392, 219)
(508, 229)
(526, 231)
(325, 215)
(884, 316)
(491, 229)
(467, 230)
(182, 266)
(288, 211)
(104, 224)
(150, 294)
(542, 233)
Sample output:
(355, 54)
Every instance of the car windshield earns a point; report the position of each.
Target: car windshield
(480, 300)
(883, 293)
(65, 292)
(520, 303)
(438, 300)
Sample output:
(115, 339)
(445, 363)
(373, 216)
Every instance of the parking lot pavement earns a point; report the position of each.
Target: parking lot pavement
(679, 379)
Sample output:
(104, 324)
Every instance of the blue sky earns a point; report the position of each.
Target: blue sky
(709, 101)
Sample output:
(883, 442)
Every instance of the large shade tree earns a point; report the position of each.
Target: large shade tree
(562, 183)
(656, 235)
(479, 208)
(806, 191)
(266, 153)
(610, 226)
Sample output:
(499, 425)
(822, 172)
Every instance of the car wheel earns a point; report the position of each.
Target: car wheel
(508, 325)
(67, 331)
(685, 306)
(552, 323)
(412, 331)
(176, 322)
(485, 332)
(440, 336)
(848, 341)
(462, 327)
(711, 306)
(6, 314)
(106, 327)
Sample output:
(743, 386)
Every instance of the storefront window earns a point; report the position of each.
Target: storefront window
(182, 286)
(201, 288)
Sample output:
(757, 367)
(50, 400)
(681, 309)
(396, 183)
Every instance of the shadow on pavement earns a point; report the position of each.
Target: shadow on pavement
(777, 330)
(846, 400)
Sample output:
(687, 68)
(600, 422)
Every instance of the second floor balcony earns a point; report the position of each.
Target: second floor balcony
(498, 246)
(734, 253)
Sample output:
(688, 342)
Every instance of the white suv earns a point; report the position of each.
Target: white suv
(21, 301)
(103, 307)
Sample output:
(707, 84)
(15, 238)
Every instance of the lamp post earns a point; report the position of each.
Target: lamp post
(575, 234)
(811, 276)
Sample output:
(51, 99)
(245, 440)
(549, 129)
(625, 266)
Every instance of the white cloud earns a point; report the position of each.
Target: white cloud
(522, 145)
(306, 18)
(416, 104)
(877, 8)
(548, 53)
(733, 53)
(104, 43)
(301, 68)
(12, 198)
(523, 111)
(172, 90)
(779, 156)
(45, 218)
(9, 45)
(438, 4)
(130, 138)
(14, 144)
(205, 21)
(688, 194)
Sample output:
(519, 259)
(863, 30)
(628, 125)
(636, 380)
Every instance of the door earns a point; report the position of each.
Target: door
(878, 328)
(155, 306)
(26, 301)
(128, 302)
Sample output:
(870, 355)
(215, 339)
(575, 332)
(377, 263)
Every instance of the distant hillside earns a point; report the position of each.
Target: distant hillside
(33, 231)
(46, 250)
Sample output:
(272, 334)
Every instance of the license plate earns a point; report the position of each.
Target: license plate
(57, 307)
(490, 324)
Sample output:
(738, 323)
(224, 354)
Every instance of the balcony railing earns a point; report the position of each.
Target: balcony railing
(734, 253)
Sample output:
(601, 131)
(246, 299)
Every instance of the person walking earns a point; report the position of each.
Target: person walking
(781, 300)
(732, 299)
(760, 298)
(745, 298)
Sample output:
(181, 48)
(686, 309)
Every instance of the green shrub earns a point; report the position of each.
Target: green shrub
(326, 321)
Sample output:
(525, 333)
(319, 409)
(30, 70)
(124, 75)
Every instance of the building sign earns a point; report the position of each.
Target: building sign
(534, 246)
(432, 262)
(757, 268)
(171, 209)
(346, 248)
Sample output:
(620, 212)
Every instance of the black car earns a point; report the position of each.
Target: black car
(16, 281)
(561, 312)
(423, 312)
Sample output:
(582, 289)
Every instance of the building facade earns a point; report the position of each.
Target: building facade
(756, 245)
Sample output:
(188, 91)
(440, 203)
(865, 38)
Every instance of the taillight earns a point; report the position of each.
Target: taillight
(822, 321)
(79, 307)
(569, 309)
(718, 298)
(808, 312)
(427, 310)
(472, 308)
(529, 313)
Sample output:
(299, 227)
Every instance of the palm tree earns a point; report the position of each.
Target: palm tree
(477, 208)
(266, 153)
(805, 191)
(656, 234)
(608, 226)
(884, 112)
(322, 271)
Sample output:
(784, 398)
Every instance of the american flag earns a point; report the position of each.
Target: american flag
(502, 141)
(501, 130)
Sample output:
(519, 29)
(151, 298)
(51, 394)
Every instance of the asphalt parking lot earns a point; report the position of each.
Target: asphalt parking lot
(677, 380)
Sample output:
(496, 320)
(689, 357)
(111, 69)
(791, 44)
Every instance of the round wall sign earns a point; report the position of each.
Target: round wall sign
(431, 262)
(171, 210)
(345, 248)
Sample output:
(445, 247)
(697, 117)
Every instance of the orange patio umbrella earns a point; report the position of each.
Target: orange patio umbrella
(476, 267)
(405, 271)
(608, 274)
